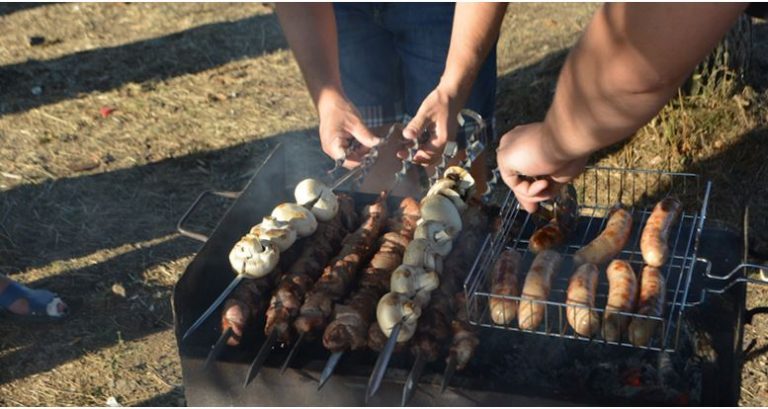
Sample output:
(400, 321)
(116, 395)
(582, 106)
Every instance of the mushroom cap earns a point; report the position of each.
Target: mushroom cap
(409, 280)
(280, 233)
(448, 188)
(300, 219)
(442, 209)
(254, 257)
(318, 197)
(394, 308)
(465, 183)
(436, 233)
(419, 253)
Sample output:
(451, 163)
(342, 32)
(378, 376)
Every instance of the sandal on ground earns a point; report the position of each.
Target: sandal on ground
(42, 303)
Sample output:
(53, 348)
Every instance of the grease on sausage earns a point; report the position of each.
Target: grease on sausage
(653, 242)
(610, 241)
(538, 283)
(504, 282)
(622, 292)
(580, 312)
(651, 303)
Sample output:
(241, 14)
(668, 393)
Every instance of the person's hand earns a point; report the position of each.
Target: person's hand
(531, 166)
(340, 125)
(438, 116)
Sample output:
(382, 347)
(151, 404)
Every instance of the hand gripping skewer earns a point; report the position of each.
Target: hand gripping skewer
(475, 146)
(359, 173)
(368, 160)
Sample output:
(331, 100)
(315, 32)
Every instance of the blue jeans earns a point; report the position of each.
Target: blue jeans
(391, 56)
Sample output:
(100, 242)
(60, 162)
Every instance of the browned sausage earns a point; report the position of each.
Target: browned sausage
(538, 282)
(504, 282)
(651, 303)
(622, 291)
(610, 241)
(653, 242)
(547, 237)
(580, 311)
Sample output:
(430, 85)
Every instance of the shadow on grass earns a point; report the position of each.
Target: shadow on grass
(190, 51)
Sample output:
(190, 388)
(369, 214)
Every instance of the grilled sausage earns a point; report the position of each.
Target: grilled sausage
(622, 292)
(538, 282)
(651, 303)
(610, 241)
(547, 237)
(580, 312)
(504, 282)
(653, 242)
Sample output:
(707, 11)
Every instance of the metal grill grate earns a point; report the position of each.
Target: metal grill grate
(598, 190)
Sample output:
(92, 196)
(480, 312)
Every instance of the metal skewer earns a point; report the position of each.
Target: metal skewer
(413, 377)
(232, 285)
(292, 352)
(218, 347)
(450, 369)
(382, 362)
(330, 366)
(258, 362)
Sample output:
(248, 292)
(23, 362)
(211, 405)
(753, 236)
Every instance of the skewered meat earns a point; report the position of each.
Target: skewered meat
(339, 274)
(349, 329)
(457, 265)
(610, 241)
(538, 282)
(316, 253)
(464, 341)
(504, 282)
(241, 308)
(580, 312)
(622, 291)
(653, 242)
(651, 303)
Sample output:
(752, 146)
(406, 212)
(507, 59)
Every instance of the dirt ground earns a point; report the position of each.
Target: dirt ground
(114, 121)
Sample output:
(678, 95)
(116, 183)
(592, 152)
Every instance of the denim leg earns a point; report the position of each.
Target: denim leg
(423, 34)
(371, 73)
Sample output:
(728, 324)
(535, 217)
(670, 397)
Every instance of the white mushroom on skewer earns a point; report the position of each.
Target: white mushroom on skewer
(317, 197)
(409, 280)
(445, 187)
(300, 219)
(464, 182)
(395, 308)
(280, 233)
(436, 233)
(441, 209)
(420, 253)
(254, 257)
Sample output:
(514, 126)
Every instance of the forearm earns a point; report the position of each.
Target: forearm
(311, 33)
(475, 30)
(628, 63)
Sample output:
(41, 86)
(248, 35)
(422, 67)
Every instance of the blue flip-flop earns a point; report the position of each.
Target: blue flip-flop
(43, 304)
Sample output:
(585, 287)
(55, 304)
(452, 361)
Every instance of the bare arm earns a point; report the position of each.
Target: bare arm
(311, 33)
(627, 64)
(475, 29)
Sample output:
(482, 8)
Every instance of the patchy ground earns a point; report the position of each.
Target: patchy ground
(120, 114)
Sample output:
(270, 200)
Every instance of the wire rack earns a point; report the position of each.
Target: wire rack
(598, 190)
